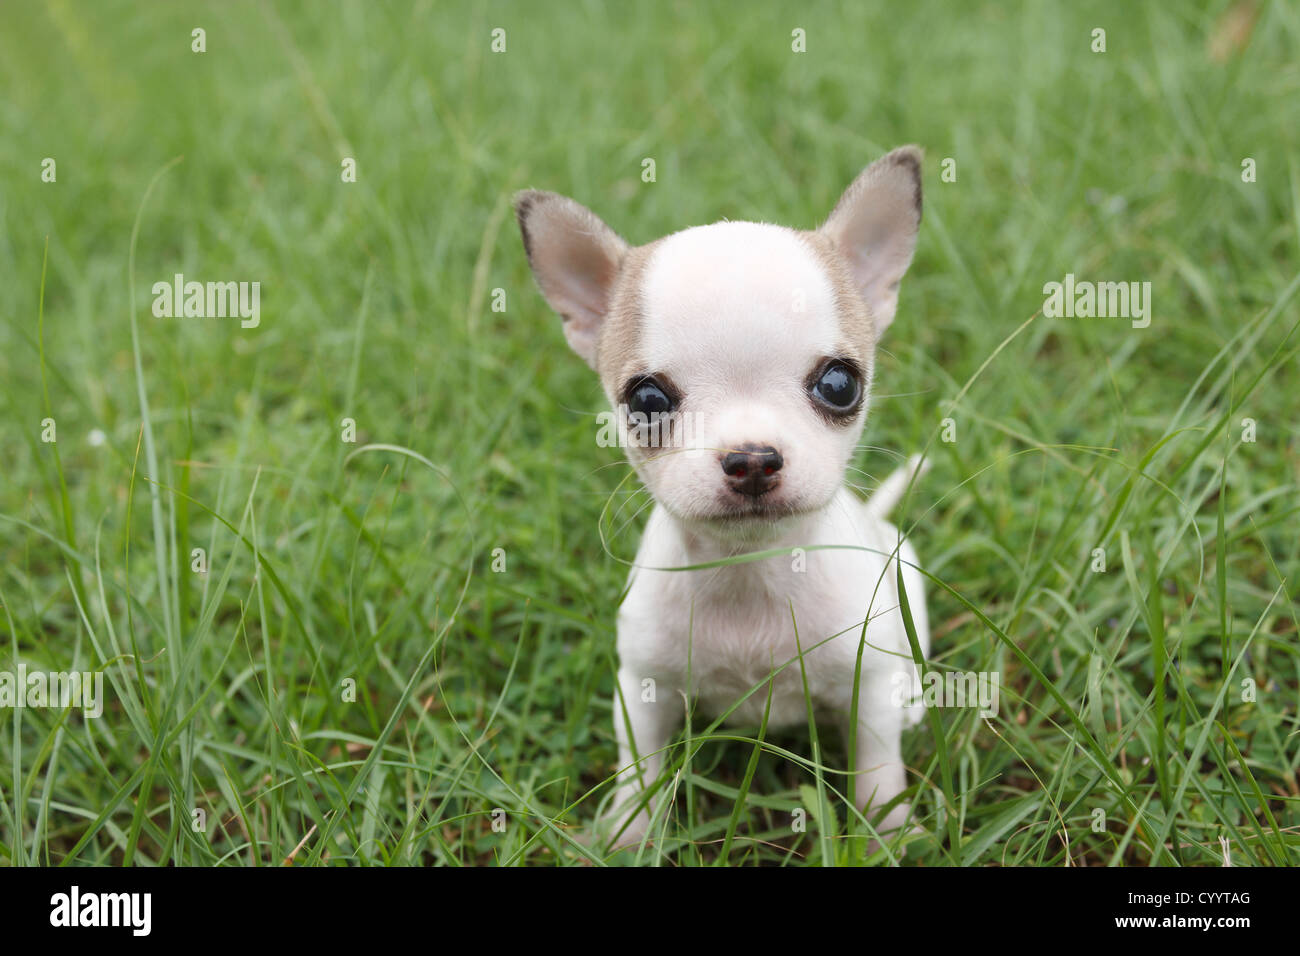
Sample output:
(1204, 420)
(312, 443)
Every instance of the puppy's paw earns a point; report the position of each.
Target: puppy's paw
(624, 826)
(895, 831)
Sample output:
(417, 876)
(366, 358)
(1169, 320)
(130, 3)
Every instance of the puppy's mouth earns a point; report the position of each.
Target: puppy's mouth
(739, 509)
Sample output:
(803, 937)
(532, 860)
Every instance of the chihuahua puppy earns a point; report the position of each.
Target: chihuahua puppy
(750, 348)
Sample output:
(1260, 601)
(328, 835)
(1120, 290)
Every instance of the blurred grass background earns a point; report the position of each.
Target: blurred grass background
(478, 690)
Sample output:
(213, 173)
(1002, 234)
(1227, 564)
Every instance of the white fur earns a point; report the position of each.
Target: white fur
(730, 626)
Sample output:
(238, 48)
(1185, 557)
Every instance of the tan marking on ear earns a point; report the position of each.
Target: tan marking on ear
(618, 355)
(856, 323)
(575, 257)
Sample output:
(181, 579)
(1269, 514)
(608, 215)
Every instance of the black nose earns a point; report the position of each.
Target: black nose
(752, 470)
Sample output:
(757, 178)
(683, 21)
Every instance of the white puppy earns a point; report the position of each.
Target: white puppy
(739, 357)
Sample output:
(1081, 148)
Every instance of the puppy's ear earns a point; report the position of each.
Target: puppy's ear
(575, 258)
(874, 227)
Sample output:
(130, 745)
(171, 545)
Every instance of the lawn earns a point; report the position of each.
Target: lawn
(350, 570)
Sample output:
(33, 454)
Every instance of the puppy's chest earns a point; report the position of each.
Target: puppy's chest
(738, 632)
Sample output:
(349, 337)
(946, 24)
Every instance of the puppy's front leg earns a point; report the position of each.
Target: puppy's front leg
(880, 774)
(645, 717)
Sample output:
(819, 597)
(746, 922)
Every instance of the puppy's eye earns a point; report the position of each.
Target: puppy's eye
(648, 398)
(837, 387)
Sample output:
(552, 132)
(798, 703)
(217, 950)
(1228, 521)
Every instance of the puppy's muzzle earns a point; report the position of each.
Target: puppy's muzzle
(752, 470)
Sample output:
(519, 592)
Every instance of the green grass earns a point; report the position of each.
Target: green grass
(1123, 736)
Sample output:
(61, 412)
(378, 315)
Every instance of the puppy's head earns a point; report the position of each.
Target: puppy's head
(739, 355)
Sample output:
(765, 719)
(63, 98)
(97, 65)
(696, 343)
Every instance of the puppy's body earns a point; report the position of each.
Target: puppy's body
(756, 344)
(730, 626)
(717, 634)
